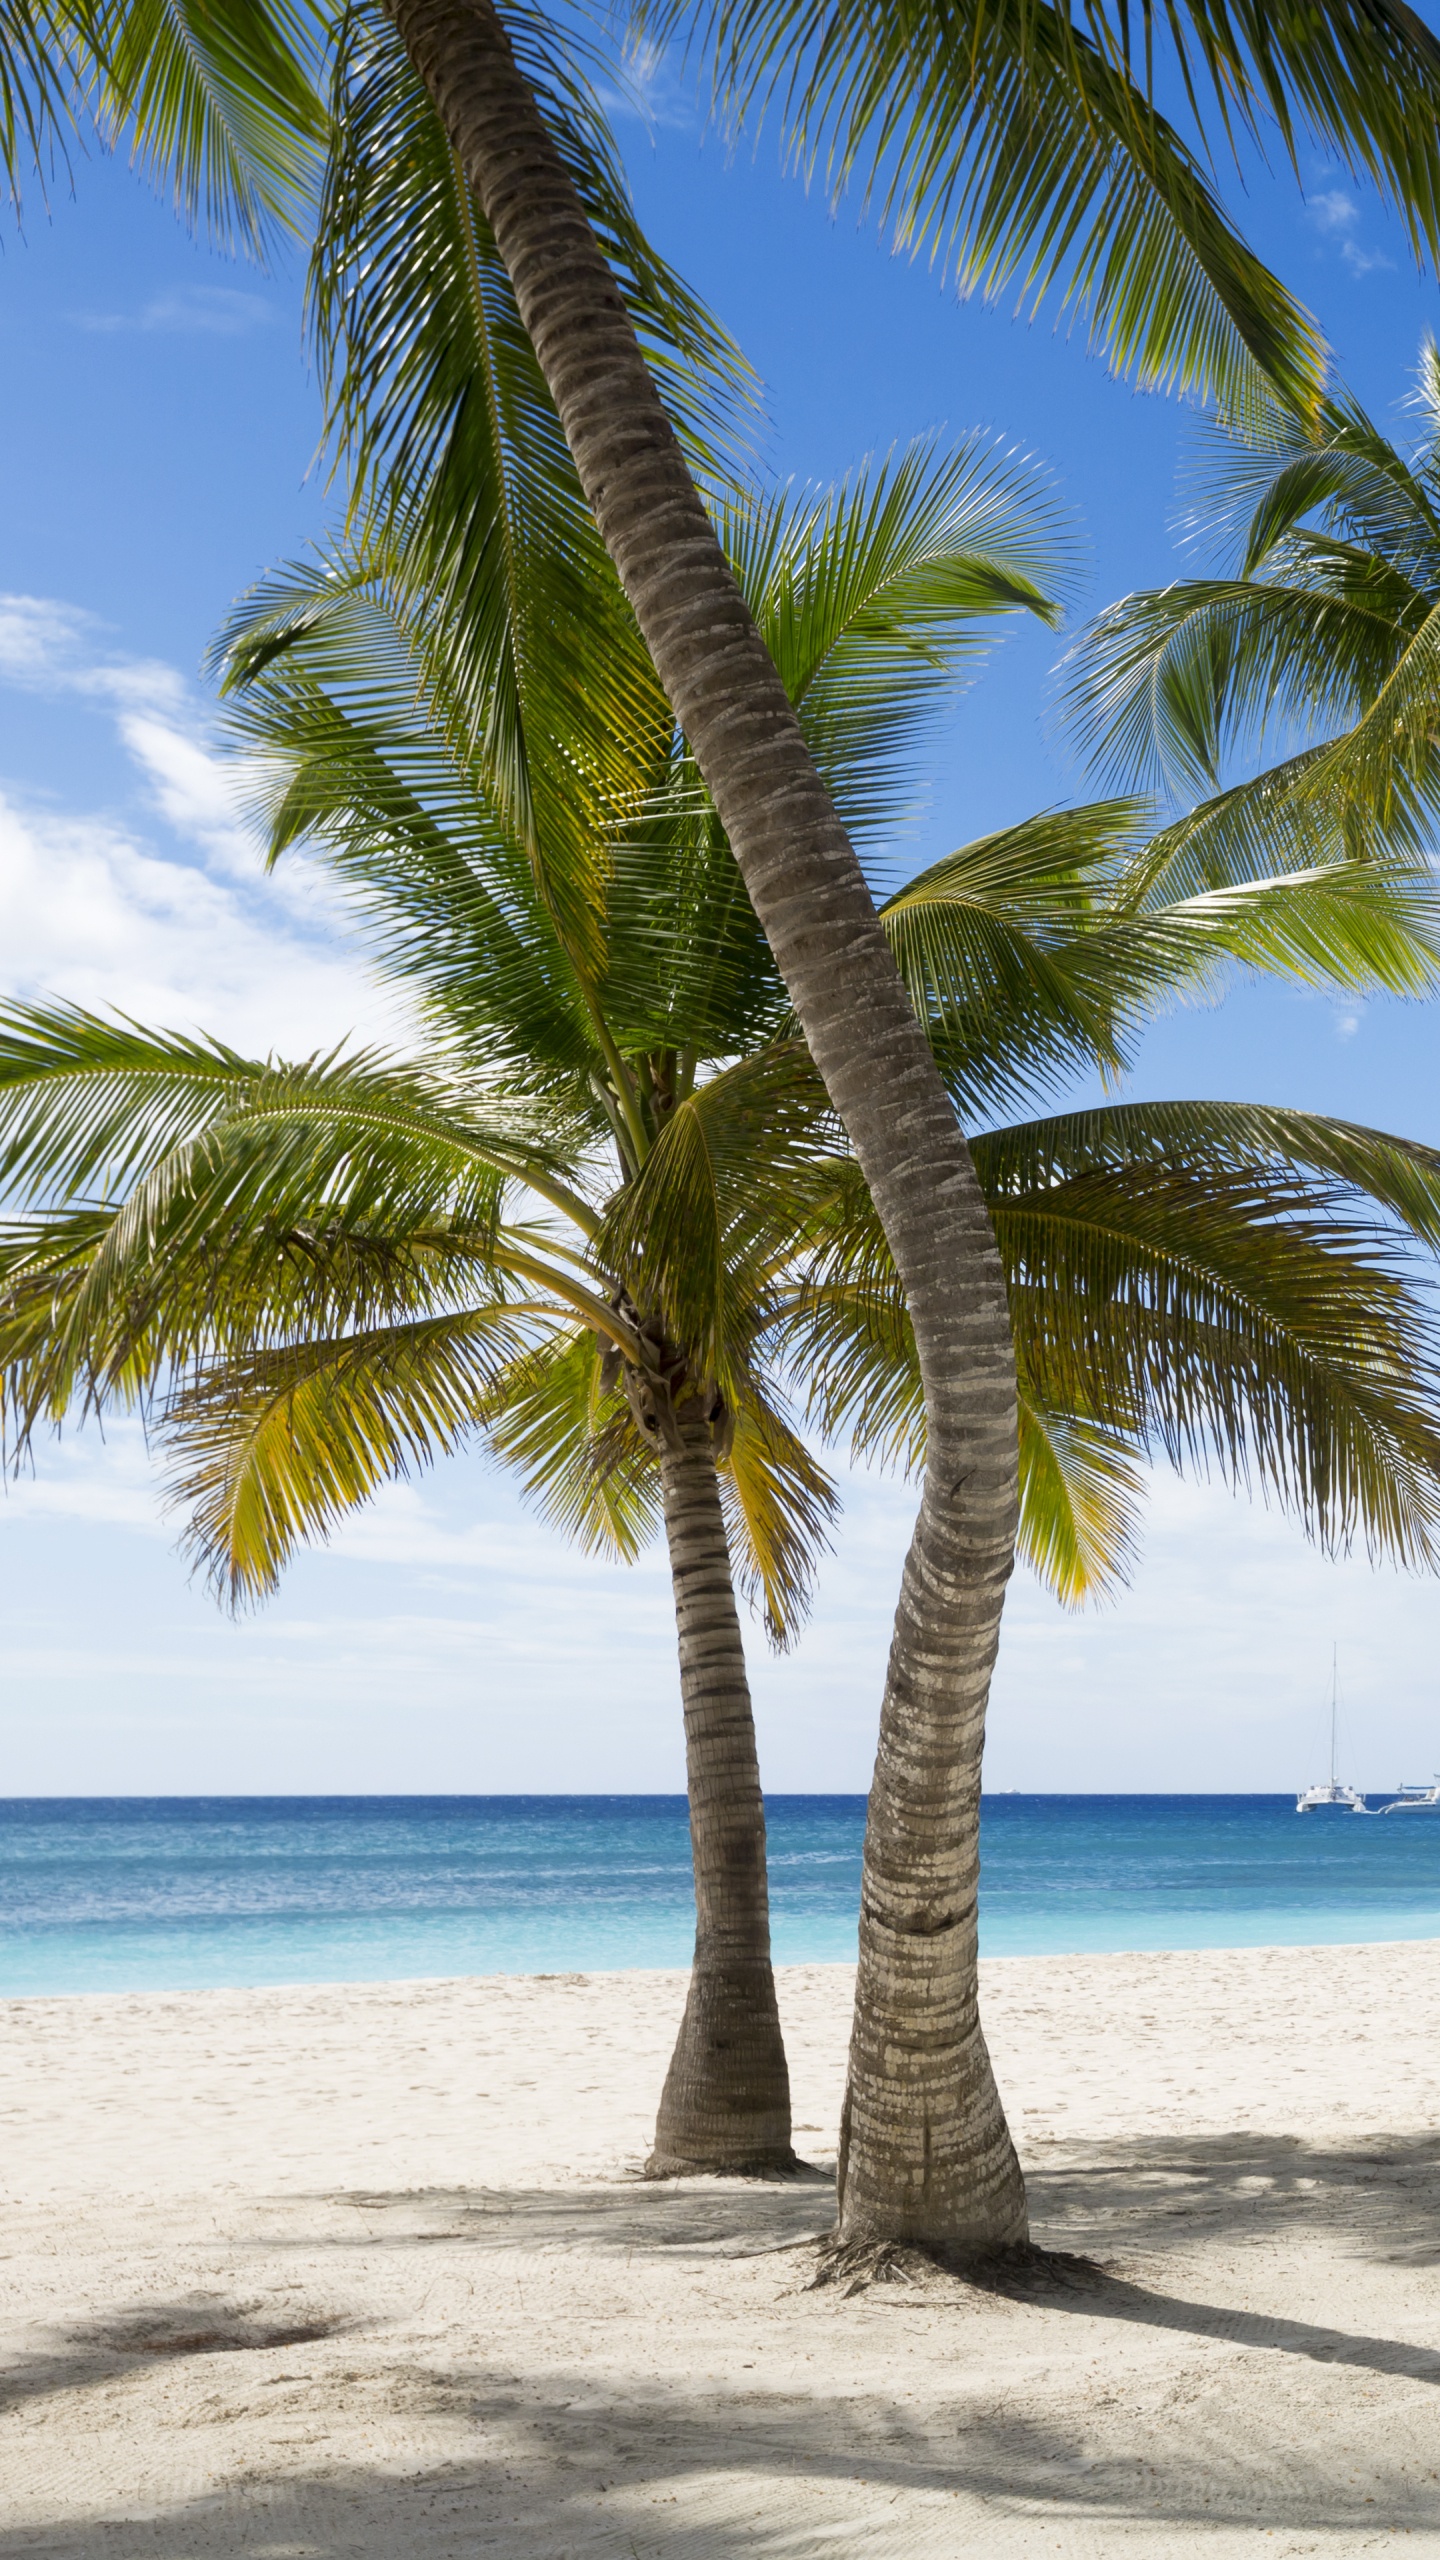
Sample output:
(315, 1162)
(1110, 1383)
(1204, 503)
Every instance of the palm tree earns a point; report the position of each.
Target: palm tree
(1036, 147)
(462, 769)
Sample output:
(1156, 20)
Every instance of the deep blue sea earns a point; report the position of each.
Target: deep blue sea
(171, 1892)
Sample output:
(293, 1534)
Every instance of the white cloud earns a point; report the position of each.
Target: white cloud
(84, 1477)
(195, 790)
(194, 938)
(652, 88)
(1332, 210)
(1362, 262)
(202, 310)
(40, 640)
(1337, 215)
(89, 914)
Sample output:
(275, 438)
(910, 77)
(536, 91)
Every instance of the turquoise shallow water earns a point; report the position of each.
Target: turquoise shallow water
(173, 1892)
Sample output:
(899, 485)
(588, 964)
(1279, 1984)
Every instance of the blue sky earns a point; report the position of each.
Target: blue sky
(157, 454)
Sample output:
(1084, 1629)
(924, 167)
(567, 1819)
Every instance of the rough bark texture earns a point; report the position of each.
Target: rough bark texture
(726, 2101)
(928, 2155)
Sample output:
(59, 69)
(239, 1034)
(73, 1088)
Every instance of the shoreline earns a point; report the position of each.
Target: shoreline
(679, 1972)
(379, 1982)
(362, 2269)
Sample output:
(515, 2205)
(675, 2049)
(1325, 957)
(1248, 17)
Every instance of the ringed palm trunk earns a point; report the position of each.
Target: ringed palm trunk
(928, 2156)
(726, 2100)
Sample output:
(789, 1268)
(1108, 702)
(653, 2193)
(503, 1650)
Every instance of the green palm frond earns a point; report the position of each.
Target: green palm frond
(1222, 1287)
(219, 102)
(86, 1100)
(511, 734)
(688, 971)
(873, 598)
(89, 1102)
(1000, 948)
(1162, 680)
(1398, 1177)
(779, 1503)
(1081, 1502)
(275, 1449)
(216, 98)
(572, 1441)
(1048, 946)
(440, 833)
(1333, 628)
(420, 347)
(42, 51)
(719, 1199)
(1258, 490)
(1022, 146)
(1352, 925)
(249, 1203)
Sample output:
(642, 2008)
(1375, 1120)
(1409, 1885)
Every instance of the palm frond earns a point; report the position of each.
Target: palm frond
(779, 1503)
(1081, 1502)
(1163, 681)
(219, 101)
(412, 312)
(687, 968)
(511, 731)
(1021, 147)
(874, 598)
(43, 51)
(275, 1449)
(720, 1197)
(575, 1446)
(997, 943)
(1223, 1288)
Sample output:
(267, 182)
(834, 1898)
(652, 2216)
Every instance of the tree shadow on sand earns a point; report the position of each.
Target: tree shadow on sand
(621, 2465)
(1381, 2200)
(1151, 2201)
(570, 2467)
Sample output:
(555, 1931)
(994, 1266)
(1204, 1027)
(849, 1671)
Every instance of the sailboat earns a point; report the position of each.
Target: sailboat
(1333, 1797)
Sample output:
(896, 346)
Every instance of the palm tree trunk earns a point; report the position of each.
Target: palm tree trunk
(726, 2100)
(928, 2154)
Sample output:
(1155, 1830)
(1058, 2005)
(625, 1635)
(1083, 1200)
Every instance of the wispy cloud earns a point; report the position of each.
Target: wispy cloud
(190, 934)
(1335, 214)
(652, 88)
(196, 311)
(41, 640)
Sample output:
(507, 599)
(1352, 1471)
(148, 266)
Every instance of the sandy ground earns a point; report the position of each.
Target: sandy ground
(366, 2271)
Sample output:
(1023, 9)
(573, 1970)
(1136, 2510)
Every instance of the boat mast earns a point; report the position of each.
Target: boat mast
(1334, 1692)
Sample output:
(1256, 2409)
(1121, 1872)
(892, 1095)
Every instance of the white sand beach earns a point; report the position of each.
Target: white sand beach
(366, 2270)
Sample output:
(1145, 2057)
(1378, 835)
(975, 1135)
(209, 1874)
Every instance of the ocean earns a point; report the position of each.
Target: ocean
(170, 1893)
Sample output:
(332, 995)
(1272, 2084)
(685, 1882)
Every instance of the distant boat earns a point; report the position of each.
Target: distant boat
(1335, 1797)
(1413, 1800)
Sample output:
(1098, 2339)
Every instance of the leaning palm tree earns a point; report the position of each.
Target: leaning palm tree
(1036, 146)
(1049, 153)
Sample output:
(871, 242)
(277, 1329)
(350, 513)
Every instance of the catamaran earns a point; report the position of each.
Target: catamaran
(1334, 1797)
